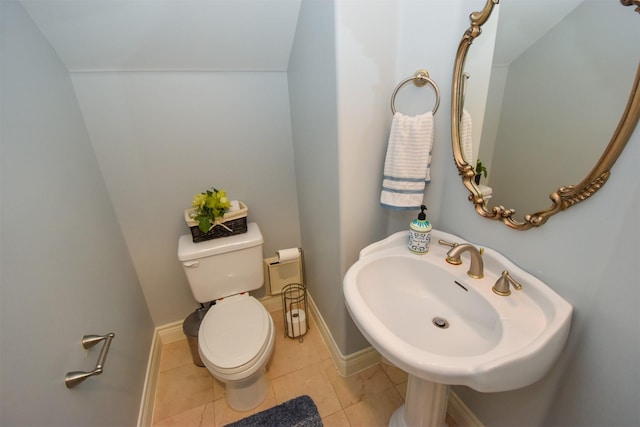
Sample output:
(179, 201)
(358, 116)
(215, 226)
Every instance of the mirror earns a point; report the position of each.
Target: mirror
(549, 89)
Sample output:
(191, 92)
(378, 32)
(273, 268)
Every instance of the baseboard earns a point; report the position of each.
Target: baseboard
(171, 332)
(145, 415)
(351, 363)
(460, 412)
(161, 335)
(272, 303)
(346, 365)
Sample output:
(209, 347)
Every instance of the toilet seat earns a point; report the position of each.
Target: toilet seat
(235, 334)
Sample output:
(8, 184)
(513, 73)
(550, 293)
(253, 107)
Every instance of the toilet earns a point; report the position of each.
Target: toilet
(236, 336)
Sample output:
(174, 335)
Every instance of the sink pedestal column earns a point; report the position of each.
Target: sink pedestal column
(424, 406)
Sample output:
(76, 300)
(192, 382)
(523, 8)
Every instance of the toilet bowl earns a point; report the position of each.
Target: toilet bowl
(236, 336)
(235, 342)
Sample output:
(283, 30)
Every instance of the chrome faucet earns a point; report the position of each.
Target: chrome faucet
(476, 268)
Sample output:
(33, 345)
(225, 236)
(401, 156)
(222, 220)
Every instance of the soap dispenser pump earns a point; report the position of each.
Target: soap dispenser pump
(420, 233)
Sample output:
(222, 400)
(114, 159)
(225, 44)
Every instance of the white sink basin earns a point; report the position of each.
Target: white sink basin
(492, 342)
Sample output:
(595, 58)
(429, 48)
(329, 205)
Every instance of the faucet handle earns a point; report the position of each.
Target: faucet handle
(445, 243)
(453, 245)
(501, 286)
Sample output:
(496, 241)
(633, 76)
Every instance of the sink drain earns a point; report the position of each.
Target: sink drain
(440, 322)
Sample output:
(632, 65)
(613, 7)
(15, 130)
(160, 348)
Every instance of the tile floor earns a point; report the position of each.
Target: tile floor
(187, 395)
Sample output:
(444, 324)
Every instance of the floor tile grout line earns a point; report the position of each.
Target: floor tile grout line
(335, 391)
(322, 364)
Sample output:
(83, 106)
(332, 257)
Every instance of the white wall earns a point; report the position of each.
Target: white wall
(66, 271)
(314, 120)
(428, 37)
(365, 49)
(347, 124)
(162, 137)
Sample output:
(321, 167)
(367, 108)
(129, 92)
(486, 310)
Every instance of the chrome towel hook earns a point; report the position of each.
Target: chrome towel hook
(74, 378)
(420, 78)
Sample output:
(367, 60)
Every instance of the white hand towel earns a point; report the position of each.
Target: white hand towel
(408, 160)
(465, 137)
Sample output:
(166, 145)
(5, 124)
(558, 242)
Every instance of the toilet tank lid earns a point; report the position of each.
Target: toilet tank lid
(187, 250)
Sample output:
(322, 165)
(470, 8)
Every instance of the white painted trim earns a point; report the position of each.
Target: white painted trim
(272, 303)
(162, 335)
(171, 332)
(460, 412)
(145, 415)
(346, 365)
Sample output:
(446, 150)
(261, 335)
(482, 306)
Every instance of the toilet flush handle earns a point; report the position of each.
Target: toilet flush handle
(191, 264)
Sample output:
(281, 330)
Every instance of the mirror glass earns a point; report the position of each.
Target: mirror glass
(544, 88)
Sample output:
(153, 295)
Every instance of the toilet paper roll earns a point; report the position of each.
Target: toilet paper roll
(296, 323)
(290, 254)
(235, 206)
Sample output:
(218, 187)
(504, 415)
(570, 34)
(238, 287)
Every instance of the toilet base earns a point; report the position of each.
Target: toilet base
(248, 394)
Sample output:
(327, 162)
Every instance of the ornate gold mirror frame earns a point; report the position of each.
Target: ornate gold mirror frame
(563, 197)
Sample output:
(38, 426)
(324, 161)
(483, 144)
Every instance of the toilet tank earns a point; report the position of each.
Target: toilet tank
(222, 267)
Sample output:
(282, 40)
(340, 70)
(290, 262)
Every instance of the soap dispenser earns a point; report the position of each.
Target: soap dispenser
(420, 233)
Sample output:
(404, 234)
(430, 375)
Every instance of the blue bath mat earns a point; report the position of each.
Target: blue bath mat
(298, 412)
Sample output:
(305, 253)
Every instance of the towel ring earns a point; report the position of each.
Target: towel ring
(463, 93)
(419, 78)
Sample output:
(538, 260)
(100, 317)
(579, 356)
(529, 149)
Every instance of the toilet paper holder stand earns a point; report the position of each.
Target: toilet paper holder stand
(294, 310)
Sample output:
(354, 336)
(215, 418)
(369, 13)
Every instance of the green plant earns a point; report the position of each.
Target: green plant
(208, 206)
(480, 170)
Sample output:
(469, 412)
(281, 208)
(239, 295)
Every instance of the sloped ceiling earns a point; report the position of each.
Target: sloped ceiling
(523, 22)
(237, 35)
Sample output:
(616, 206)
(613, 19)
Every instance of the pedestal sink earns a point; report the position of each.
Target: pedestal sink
(442, 327)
